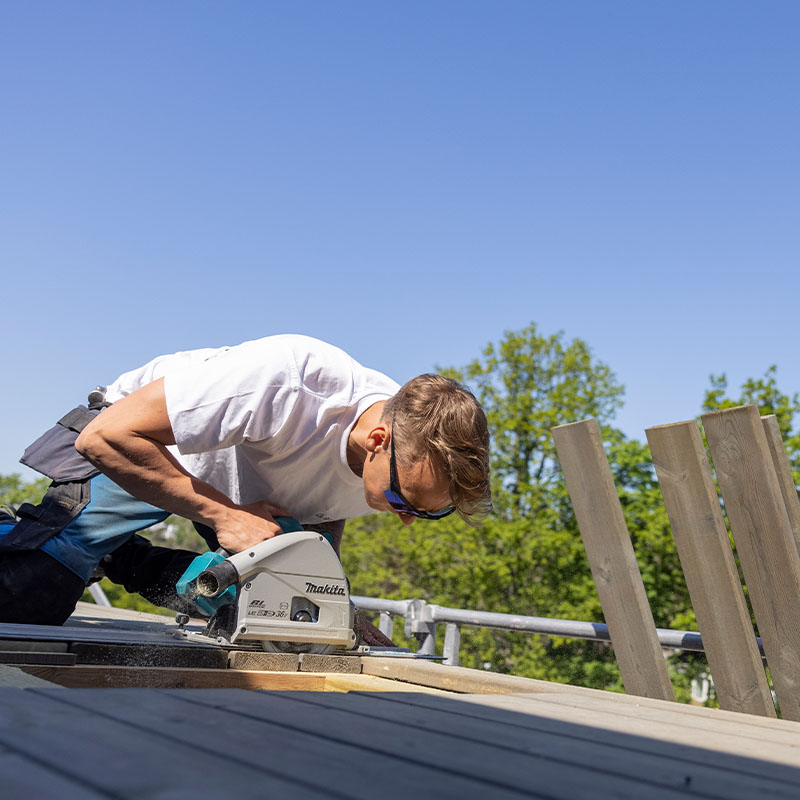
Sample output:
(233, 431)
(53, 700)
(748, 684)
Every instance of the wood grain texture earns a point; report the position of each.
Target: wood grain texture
(527, 767)
(457, 679)
(334, 754)
(144, 655)
(97, 748)
(607, 726)
(775, 758)
(270, 662)
(87, 677)
(764, 541)
(708, 563)
(14, 677)
(371, 683)
(314, 662)
(549, 738)
(783, 470)
(612, 560)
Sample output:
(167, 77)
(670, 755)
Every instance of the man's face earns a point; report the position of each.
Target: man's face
(420, 484)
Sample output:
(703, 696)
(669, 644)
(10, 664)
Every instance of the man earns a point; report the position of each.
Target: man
(230, 438)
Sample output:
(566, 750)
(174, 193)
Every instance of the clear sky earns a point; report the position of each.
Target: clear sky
(407, 180)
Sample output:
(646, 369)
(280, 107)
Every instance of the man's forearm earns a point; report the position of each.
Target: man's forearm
(150, 473)
(128, 442)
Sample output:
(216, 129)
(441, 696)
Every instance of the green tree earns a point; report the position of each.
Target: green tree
(14, 491)
(527, 384)
(528, 558)
(764, 393)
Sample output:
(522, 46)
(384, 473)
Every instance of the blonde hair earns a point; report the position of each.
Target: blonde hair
(439, 418)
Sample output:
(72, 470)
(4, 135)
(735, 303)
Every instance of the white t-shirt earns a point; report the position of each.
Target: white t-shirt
(268, 420)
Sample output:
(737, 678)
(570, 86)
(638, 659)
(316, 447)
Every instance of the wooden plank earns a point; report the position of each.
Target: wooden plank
(753, 721)
(494, 768)
(19, 645)
(144, 655)
(36, 657)
(369, 683)
(16, 678)
(612, 560)
(783, 470)
(524, 712)
(24, 777)
(763, 536)
(93, 677)
(313, 662)
(569, 744)
(705, 552)
(297, 742)
(459, 679)
(724, 749)
(780, 732)
(271, 662)
(91, 747)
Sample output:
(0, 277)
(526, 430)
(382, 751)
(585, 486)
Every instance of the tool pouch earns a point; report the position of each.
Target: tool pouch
(62, 502)
(54, 454)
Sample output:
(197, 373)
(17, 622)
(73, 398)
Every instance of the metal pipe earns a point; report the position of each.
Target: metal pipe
(452, 643)
(419, 615)
(386, 625)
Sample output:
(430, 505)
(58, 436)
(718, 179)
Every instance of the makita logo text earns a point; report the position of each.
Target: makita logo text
(327, 588)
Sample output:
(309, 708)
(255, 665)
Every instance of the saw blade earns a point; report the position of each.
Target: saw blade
(317, 648)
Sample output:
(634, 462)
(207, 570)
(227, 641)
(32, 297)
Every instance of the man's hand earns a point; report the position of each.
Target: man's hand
(245, 526)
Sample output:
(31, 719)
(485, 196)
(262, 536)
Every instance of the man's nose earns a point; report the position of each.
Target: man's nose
(407, 519)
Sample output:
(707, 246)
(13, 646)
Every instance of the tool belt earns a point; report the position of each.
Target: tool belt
(53, 454)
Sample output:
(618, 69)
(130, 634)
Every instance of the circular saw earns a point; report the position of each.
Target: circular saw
(289, 594)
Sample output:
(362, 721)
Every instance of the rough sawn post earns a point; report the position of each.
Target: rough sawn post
(612, 560)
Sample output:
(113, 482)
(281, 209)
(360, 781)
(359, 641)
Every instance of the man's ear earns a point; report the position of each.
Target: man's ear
(376, 438)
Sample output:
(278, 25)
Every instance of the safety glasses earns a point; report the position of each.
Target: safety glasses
(399, 503)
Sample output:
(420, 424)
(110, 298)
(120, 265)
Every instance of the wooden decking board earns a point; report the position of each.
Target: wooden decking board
(23, 777)
(494, 767)
(750, 721)
(37, 657)
(92, 677)
(32, 645)
(102, 632)
(339, 682)
(569, 745)
(721, 740)
(148, 655)
(457, 679)
(123, 760)
(549, 722)
(789, 736)
(294, 741)
(14, 677)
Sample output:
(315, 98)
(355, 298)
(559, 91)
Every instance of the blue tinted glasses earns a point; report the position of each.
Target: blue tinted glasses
(399, 503)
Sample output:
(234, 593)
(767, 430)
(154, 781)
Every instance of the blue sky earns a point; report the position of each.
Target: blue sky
(406, 180)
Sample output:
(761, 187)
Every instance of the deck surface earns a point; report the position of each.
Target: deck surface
(524, 739)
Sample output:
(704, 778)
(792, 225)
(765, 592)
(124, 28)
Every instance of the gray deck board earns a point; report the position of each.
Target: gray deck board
(110, 757)
(568, 744)
(170, 744)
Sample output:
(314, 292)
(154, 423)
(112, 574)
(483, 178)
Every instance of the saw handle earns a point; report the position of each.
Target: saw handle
(213, 581)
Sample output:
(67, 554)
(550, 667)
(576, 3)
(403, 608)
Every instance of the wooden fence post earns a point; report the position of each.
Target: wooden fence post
(764, 541)
(710, 568)
(612, 560)
(784, 472)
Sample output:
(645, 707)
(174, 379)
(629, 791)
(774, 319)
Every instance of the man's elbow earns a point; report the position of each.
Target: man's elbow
(92, 444)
